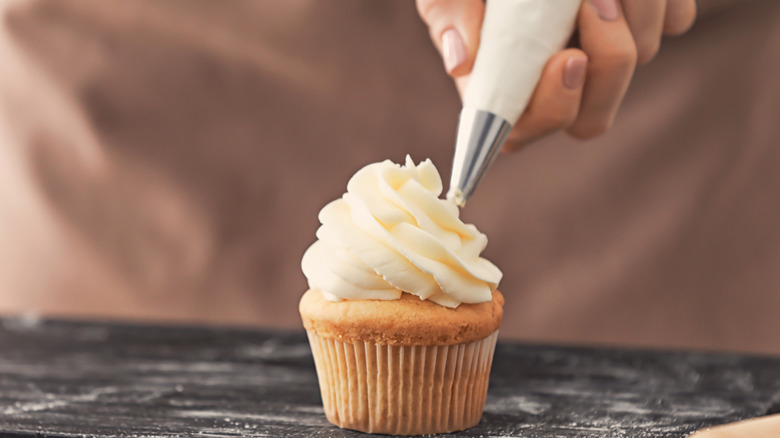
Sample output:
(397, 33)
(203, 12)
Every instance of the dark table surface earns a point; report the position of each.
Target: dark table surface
(60, 378)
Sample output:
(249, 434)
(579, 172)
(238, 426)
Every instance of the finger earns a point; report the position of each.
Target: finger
(606, 39)
(555, 102)
(680, 15)
(645, 19)
(454, 27)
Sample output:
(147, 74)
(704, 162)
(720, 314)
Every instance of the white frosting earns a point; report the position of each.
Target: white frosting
(390, 233)
(518, 38)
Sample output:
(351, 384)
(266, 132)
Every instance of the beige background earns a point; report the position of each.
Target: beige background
(166, 161)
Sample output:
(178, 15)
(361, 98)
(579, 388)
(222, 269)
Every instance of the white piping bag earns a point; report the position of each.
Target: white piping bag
(518, 38)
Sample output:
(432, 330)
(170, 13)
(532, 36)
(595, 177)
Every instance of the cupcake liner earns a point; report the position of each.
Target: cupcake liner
(403, 390)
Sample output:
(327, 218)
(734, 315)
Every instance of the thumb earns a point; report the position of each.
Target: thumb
(454, 27)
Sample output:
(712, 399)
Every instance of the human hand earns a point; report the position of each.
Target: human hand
(580, 89)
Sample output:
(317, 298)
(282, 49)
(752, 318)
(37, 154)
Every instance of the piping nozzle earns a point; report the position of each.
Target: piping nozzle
(480, 137)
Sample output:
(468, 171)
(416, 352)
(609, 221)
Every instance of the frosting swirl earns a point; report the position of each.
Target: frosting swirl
(390, 233)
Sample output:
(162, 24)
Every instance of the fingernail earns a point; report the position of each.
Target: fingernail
(574, 73)
(453, 50)
(607, 9)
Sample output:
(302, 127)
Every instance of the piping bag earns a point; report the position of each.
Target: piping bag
(518, 38)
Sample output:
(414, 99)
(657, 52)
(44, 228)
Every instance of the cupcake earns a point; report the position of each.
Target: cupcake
(402, 313)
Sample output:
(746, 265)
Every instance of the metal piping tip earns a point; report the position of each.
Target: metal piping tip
(480, 136)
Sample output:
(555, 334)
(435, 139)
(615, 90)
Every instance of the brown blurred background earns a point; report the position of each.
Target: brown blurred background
(166, 160)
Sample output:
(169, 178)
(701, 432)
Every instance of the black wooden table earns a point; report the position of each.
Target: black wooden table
(66, 379)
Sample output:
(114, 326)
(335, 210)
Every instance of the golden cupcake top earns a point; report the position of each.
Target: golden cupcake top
(406, 321)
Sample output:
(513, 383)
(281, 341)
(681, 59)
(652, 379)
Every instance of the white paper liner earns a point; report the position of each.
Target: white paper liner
(403, 390)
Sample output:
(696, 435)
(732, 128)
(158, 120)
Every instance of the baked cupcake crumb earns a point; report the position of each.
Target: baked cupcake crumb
(406, 321)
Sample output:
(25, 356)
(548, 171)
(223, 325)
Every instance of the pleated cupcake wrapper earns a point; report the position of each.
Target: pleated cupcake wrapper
(403, 390)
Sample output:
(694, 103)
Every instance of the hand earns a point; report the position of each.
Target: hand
(580, 89)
